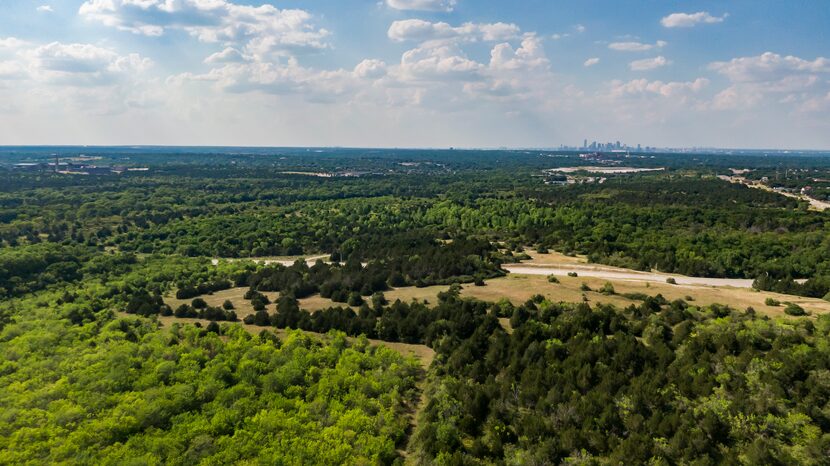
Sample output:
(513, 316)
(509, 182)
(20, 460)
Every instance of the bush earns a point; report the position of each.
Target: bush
(793, 309)
(227, 305)
(573, 274)
(671, 281)
(478, 281)
(198, 303)
(635, 296)
(354, 299)
(584, 287)
(772, 302)
(553, 279)
(184, 311)
(607, 289)
(379, 300)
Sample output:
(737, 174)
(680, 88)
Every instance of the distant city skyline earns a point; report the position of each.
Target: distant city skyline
(416, 73)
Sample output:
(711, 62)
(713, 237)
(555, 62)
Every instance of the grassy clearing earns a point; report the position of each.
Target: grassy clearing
(519, 288)
(241, 305)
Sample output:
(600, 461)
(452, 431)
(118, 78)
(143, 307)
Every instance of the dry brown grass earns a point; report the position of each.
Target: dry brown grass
(519, 288)
(241, 305)
(317, 302)
(552, 257)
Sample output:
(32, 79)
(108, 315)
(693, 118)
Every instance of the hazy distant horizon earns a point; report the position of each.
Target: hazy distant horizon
(689, 150)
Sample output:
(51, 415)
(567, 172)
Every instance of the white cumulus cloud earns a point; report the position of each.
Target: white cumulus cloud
(769, 66)
(44, 9)
(633, 46)
(370, 68)
(422, 5)
(228, 55)
(591, 62)
(420, 30)
(529, 55)
(685, 20)
(661, 88)
(648, 63)
(260, 30)
(774, 79)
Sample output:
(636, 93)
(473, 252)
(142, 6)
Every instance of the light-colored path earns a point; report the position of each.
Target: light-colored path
(815, 204)
(614, 273)
(285, 260)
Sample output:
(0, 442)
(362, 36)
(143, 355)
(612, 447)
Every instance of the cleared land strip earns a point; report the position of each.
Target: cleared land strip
(612, 273)
(815, 204)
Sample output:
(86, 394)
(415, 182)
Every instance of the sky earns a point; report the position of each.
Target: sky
(416, 73)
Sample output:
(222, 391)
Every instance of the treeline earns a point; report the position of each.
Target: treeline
(419, 263)
(414, 322)
(815, 287)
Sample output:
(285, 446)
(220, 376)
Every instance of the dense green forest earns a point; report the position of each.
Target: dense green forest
(670, 384)
(98, 368)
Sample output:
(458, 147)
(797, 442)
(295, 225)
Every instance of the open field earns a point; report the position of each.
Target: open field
(519, 288)
(530, 278)
(241, 305)
(558, 264)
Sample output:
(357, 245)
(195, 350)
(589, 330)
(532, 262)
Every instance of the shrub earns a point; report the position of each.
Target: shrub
(671, 281)
(198, 303)
(584, 287)
(227, 305)
(553, 279)
(793, 309)
(772, 302)
(573, 274)
(354, 299)
(608, 289)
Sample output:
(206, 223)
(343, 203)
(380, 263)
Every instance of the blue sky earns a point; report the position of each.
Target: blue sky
(415, 73)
